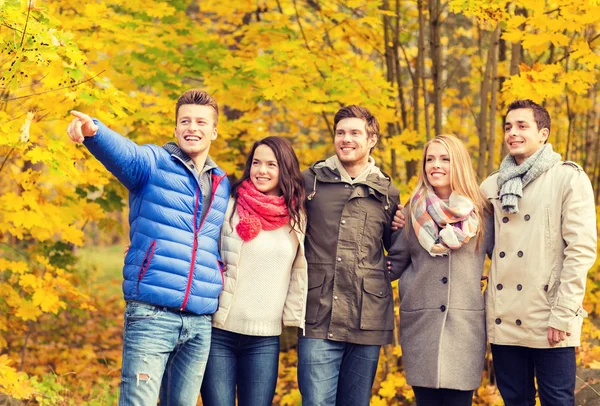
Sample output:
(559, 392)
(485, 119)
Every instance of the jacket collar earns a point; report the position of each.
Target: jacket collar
(327, 171)
(173, 149)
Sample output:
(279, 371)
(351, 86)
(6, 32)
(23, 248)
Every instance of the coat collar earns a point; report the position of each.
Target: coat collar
(173, 149)
(326, 171)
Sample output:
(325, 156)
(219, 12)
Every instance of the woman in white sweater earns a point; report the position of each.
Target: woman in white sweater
(264, 277)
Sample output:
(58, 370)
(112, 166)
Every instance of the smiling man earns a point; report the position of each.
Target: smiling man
(349, 310)
(172, 278)
(545, 243)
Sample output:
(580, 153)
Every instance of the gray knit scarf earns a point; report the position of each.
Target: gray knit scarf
(513, 178)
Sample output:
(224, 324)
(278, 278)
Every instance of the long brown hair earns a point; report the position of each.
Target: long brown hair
(463, 179)
(291, 182)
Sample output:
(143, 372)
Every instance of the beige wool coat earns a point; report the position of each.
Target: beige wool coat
(442, 316)
(541, 258)
(293, 312)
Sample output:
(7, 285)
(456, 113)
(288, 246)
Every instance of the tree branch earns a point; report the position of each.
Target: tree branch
(52, 90)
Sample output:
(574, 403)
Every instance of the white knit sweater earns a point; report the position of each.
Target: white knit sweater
(265, 281)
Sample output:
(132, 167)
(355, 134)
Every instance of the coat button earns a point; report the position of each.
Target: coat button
(444, 280)
(339, 259)
(518, 322)
(520, 254)
(335, 298)
(343, 221)
(505, 219)
(502, 254)
(527, 217)
(519, 287)
(346, 186)
(498, 321)
(443, 308)
(499, 286)
(546, 288)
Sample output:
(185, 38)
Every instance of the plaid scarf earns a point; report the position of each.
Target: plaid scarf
(442, 227)
(258, 211)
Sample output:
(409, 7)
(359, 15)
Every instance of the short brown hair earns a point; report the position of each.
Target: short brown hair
(353, 111)
(540, 114)
(197, 96)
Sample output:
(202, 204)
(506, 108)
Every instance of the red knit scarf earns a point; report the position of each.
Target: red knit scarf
(258, 211)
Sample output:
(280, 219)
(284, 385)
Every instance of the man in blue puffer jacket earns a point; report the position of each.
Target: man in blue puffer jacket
(173, 272)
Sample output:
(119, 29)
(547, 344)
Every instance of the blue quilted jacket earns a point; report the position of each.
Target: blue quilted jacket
(173, 260)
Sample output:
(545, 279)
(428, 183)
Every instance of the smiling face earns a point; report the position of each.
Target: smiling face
(437, 169)
(195, 129)
(521, 134)
(353, 144)
(264, 172)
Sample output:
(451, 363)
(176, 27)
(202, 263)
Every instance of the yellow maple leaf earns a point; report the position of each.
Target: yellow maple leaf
(47, 300)
(291, 399)
(73, 235)
(28, 311)
(377, 401)
(29, 281)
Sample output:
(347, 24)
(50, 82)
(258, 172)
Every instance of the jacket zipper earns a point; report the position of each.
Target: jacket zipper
(215, 185)
(145, 265)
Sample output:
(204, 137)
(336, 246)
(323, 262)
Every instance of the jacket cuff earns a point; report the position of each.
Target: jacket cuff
(94, 139)
(563, 314)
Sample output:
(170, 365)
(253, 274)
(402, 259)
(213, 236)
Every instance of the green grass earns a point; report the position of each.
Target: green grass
(102, 269)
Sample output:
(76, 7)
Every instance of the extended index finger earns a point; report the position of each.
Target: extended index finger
(81, 116)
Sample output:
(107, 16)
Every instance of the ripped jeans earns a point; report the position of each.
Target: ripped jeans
(164, 354)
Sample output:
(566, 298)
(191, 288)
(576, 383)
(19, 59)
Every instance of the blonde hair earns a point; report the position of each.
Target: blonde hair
(463, 179)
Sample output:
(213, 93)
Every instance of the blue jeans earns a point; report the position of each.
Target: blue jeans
(164, 353)
(554, 370)
(249, 362)
(336, 373)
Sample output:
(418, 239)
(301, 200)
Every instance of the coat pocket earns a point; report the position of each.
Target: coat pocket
(313, 298)
(145, 265)
(377, 307)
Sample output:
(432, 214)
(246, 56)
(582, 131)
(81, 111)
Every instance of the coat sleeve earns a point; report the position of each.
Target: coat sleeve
(387, 229)
(399, 253)
(489, 234)
(578, 226)
(127, 161)
(295, 301)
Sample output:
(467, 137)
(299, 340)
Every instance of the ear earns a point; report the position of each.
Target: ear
(373, 140)
(545, 134)
(214, 134)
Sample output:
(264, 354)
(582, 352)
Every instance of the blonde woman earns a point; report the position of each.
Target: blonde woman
(439, 258)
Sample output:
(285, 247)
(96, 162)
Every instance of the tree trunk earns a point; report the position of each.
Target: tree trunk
(494, 49)
(390, 76)
(436, 61)
(421, 68)
(482, 125)
(515, 60)
(590, 132)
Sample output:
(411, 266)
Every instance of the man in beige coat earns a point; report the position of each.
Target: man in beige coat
(545, 243)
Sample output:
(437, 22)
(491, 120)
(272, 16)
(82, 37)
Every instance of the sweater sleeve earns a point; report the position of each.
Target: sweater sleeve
(578, 226)
(128, 162)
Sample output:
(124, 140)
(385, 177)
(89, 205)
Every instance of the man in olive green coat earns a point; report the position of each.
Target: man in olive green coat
(349, 312)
